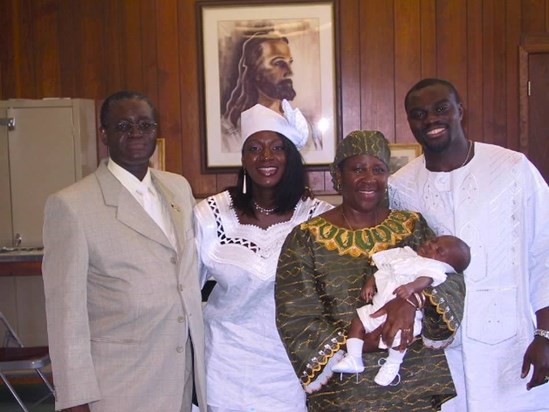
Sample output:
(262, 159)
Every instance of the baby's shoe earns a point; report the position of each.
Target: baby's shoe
(349, 364)
(387, 373)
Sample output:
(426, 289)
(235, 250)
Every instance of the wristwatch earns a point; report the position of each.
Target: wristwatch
(542, 332)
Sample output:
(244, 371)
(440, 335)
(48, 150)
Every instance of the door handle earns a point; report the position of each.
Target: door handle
(8, 121)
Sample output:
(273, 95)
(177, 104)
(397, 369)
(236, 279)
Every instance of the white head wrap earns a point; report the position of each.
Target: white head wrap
(292, 125)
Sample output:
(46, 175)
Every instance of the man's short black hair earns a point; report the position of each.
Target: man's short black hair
(122, 95)
(431, 82)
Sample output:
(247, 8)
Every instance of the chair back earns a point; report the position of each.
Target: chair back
(8, 335)
(15, 357)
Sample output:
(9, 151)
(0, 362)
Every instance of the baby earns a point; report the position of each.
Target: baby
(404, 273)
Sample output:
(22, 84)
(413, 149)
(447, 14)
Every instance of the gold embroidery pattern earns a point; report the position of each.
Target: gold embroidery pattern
(316, 363)
(363, 242)
(442, 309)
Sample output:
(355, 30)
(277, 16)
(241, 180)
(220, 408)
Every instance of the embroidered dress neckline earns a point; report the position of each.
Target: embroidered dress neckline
(390, 216)
(366, 241)
(236, 220)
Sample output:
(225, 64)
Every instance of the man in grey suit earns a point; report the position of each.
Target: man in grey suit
(120, 272)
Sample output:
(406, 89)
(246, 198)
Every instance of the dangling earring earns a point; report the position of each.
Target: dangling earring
(244, 189)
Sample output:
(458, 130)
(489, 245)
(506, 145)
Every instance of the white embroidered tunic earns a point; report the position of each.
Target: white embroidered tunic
(499, 204)
(246, 363)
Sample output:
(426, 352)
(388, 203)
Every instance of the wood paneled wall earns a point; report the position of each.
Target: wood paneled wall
(90, 48)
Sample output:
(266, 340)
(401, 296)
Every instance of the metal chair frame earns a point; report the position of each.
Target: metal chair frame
(14, 356)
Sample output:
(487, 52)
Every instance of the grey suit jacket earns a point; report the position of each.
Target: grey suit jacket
(123, 306)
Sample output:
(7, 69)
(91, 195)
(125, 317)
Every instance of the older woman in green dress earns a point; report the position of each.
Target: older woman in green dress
(322, 267)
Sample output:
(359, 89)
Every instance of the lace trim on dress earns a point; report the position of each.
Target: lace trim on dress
(443, 309)
(363, 242)
(437, 344)
(316, 363)
(326, 373)
(221, 235)
(224, 239)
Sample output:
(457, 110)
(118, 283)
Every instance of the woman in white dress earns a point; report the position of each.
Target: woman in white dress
(240, 232)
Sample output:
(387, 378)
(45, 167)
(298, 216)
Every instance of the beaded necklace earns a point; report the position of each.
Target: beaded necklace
(262, 209)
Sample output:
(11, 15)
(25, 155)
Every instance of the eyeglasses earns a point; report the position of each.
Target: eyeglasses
(143, 126)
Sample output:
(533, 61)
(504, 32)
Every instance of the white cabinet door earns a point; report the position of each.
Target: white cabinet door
(41, 151)
(45, 155)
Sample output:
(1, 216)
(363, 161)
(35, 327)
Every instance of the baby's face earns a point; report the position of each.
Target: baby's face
(442, 248)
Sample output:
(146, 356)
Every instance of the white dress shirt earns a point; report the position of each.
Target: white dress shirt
(147, 196)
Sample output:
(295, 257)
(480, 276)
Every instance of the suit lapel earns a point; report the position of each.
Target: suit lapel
(176, 211)
(129, 211)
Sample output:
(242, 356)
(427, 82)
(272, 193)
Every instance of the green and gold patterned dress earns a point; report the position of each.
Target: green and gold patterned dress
(321, 271)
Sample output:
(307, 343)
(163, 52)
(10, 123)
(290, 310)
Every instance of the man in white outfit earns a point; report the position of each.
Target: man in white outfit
(496, 201)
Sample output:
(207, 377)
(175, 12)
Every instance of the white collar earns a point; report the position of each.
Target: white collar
(128, 180)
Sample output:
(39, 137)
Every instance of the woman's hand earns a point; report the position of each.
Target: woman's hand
(400, 316)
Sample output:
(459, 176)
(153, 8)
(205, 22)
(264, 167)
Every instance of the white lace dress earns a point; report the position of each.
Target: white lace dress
(246, 363)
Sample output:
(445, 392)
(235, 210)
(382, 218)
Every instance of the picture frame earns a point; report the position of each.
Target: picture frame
(158, 159)
(402, 154)
(227, 32)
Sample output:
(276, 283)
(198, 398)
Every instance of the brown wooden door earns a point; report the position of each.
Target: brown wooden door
(538, 112)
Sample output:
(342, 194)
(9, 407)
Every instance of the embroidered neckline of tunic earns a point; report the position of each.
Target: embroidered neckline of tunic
(244, 241)
(363, 242)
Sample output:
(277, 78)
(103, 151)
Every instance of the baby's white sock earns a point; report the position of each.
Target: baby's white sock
(354, 347)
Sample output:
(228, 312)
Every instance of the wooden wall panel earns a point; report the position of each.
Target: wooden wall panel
(473, 119)
(512, 79)
(428, 39)
(91, 48)
(451, 51)
(135, 38)
(90, 65)
(349, 66)
(494, 73)
(377, 67)
(111, 43)
(46, 58)
(534, 16)
(546, 16)
(17, 43)
(348, 70)
(407, 61)
(7, 47)
(169, 72)
(203, 184)
(66, 30)
(149, 52)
